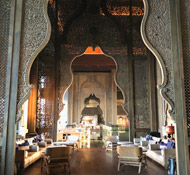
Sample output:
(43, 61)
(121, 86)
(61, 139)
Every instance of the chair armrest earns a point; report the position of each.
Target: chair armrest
(136, 140)
(168, 153)
(20, 155)
(132, 158)
(144, 143)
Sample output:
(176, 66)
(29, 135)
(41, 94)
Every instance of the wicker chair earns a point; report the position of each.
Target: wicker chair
(56, 157)
(129, 155)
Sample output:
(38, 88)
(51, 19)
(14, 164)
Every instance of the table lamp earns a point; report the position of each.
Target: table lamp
(170, 130)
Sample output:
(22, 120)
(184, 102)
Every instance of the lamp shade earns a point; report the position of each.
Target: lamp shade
(170, 129)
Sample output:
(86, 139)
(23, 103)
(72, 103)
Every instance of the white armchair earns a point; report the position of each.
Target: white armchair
(73, 141)
(136, 141)
(130, 155)
(111, 142)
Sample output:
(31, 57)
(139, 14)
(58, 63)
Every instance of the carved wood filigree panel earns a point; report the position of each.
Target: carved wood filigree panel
(35, 35)
(156, 33)
(4, 44)
(141, 94)
(185, 11)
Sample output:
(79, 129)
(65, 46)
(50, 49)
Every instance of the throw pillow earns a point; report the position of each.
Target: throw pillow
(170, 144)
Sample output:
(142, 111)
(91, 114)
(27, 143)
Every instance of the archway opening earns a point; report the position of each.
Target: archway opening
(132, 12)
(94, 77)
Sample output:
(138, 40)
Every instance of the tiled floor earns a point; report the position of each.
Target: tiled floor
(96, 161)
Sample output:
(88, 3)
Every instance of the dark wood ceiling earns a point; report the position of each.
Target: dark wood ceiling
(93, 63)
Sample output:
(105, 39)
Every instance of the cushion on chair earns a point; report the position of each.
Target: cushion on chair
(157, 139)
(129, 145)
(130, 151)
(48, 141)
(136, 141)
(42, 144)
(34, 148)
(154, 146)
(144, 143)
(129, 154)
(72, 139)
(170, 144)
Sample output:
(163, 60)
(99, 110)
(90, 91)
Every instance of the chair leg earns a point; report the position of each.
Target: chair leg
(107, 147)
(145, 161)
(77, 148)
(118, 165)
(69, 168)
(111, 147)
(44, 165)
(139, 168)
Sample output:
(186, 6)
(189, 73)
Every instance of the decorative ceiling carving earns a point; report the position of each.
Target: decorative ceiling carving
(82, 24)
(92, 23)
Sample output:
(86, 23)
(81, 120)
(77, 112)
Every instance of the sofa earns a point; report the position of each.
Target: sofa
(155, 150)
(26, 155)
(160, 156)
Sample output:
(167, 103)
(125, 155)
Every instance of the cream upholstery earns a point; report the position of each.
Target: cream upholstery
(136, 141)
(111, 141)
(161, 156)
(42, 144)
(34, 148)
(56, 156)
(48, 141)
(130, 156)
(25, 158)
(73, 141)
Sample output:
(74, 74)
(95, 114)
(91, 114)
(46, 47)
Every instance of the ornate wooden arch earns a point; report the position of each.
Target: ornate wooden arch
(36, 32)
(156, 34)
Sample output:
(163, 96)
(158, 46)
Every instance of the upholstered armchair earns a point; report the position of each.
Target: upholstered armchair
(56, 157)
(129, 155)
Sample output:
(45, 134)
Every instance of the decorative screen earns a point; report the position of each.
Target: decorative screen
(4, 45)
(45, 100)
(186, 54)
